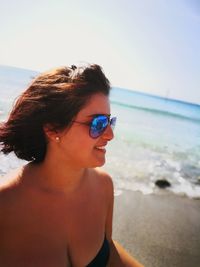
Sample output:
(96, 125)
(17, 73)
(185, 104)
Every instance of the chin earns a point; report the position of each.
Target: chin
(98, 163)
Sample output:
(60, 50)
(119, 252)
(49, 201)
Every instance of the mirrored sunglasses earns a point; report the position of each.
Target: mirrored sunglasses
(98, 124)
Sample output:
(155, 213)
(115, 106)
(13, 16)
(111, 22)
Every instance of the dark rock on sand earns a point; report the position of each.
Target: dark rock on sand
(162, 183)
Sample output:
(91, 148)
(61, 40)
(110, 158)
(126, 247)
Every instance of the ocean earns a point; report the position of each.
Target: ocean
(155, 138)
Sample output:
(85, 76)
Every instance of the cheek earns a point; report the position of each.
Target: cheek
(77, 133)
(78, 143)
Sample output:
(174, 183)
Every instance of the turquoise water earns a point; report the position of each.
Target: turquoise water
(155, 138)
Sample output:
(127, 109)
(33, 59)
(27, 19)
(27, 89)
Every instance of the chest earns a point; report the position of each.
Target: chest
(42, 227)
(51, 221)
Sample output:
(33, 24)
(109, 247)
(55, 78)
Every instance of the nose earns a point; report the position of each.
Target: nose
(108, 133)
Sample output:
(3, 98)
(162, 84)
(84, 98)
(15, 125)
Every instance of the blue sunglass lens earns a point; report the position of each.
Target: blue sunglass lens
(98, 125)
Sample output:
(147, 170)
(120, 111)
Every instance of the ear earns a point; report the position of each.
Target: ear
(50, 133)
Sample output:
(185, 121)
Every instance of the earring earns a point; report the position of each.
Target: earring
(57, 139)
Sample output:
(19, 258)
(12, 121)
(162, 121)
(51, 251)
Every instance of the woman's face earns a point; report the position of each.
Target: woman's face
(77, 147)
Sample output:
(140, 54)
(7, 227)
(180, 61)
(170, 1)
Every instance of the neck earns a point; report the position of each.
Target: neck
(54, 176)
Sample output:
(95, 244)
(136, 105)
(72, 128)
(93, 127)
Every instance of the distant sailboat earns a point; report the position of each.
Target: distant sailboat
(167, 94)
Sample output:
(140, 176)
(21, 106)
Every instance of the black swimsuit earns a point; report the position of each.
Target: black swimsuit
(102, 256)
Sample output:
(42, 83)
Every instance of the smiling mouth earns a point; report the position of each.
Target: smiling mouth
(101, 148)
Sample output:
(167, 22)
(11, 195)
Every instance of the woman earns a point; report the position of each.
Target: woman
(57, 210)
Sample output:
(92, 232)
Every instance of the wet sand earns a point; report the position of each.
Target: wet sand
(158, 230)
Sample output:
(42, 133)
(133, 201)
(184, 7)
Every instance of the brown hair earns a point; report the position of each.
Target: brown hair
(53, 98)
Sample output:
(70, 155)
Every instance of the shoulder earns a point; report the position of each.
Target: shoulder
(103, 176)
(10, 190)
(9, 185)
(104, 181)
(6, 186)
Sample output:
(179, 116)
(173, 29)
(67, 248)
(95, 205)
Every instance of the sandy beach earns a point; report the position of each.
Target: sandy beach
(159, 230)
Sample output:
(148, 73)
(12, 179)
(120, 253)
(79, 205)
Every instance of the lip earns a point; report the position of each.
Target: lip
(101, 148)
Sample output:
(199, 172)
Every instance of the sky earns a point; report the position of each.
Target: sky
(151, 46)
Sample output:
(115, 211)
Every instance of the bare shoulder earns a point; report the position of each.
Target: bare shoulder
(101, 174)
(8, 185)
(104, 179)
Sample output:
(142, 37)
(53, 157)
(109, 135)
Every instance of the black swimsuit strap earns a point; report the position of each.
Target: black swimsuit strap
(102, 256)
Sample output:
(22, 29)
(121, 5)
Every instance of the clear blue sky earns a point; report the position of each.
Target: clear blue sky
(146, 45)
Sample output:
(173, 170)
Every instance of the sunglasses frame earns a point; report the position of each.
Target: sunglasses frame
(110, 121)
